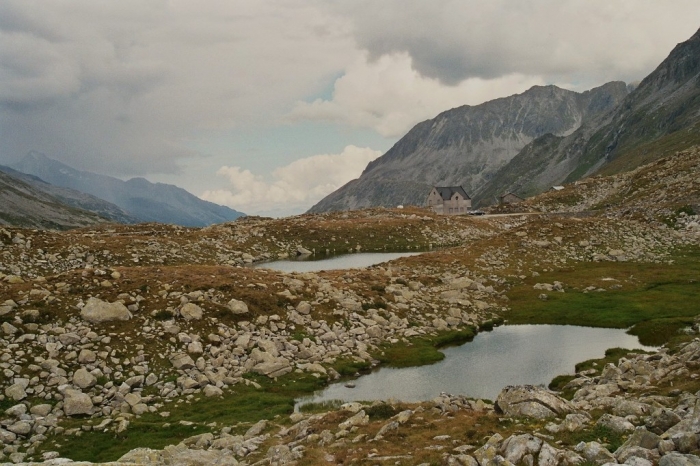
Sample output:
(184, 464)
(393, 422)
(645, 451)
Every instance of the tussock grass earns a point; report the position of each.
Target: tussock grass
(656, 300)
(422, 350)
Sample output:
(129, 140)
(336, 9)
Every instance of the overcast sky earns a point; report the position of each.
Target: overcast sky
(267, 106)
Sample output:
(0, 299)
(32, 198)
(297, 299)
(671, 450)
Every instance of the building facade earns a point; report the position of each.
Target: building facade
(449, 200)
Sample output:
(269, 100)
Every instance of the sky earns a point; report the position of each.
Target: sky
(268, 106)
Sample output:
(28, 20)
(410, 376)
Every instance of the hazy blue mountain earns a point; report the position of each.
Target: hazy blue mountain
(74, 198)
(22, 204)
(146, 201)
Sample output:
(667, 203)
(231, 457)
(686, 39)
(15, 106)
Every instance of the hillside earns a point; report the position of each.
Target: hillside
(660, 117)
(73, 198)
(22, 204)
(123, 337)
(543, 137)
(469, 144)
(141, 199)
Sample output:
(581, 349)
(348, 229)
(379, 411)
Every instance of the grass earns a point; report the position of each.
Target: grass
(245, 404)
(655, 300)
(422, 350)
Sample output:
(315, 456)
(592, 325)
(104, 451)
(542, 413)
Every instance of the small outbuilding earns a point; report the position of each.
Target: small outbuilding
(510, 198)
(449, 200)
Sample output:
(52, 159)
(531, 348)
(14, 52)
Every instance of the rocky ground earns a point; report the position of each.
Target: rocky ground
(107, 326)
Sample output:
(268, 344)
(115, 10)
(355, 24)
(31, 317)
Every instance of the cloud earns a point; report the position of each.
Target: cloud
(131, 87)
(293, 188)
(559, 40)
(390, 96)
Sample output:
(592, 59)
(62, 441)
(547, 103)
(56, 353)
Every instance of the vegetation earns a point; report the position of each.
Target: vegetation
(655, 300)
(421, 350)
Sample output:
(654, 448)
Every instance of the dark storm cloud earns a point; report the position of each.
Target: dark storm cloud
(559, 39)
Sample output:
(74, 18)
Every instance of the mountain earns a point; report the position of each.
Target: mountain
(24, 205)
(660, 117)
(467, 145)
(73, 198)
(143, 200)
(543, 137)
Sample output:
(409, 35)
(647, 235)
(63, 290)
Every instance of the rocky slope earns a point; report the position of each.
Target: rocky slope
(467, 145)
(73, 198)
(660, 117)
(143, 200)
(116, 332)
(510, 145)
(25, 204)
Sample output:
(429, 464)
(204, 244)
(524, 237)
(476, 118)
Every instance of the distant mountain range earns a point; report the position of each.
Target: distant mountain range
(24, 203)
(135, 200)
(528, 142)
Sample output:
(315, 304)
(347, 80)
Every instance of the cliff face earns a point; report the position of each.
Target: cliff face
(660, 117)
(545, 136)
(469, 144)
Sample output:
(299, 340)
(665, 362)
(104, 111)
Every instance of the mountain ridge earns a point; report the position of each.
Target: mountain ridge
(655, 118)
(466, 145)
(140, 198)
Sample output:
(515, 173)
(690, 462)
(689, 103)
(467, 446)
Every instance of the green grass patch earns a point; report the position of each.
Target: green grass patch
(244, 404)
(321, 406)
(656, 300)
(350, 367)
(421, 350)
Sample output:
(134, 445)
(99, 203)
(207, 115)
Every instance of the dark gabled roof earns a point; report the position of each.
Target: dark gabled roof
(512, 194)
(446, 192)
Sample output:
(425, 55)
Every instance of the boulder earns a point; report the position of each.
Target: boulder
(83, 379)
(678, 459)
(516, 447)
(530, 401)
(181, 361)
(97, 311)
(190, 311)
(76, 402)
(617, 424)
(237, 307)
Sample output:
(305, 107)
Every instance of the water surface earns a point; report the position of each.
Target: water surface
(345, 261)
(508, 355)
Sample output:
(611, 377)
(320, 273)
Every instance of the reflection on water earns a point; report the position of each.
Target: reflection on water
(509, 355)
(346, 261)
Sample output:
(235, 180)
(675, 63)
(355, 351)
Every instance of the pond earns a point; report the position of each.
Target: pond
(345, 261)
(508, 355)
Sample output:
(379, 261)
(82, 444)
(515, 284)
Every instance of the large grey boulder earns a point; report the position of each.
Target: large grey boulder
(237, 307)
(76, 402)
(678, 459)
(97, 311)
(530, 401)
(190, 311)
(83, 379)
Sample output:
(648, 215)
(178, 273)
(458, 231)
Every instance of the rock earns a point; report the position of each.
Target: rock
(181, 361)
(303, 308)
(388, 427)
(516, 447)
(97, 311)
(212, 390)
(237, 307)
(359, 419)
(617, 424)
(190, 311)
(640, 439)
(76, 402)
(595, 453)
(256, 429)
(301, 251)
(83, 379)
(20, 428)
(530, 401)
(16, 392)
(661, 420)
(678, 459)
(281, 454)
(488, 455)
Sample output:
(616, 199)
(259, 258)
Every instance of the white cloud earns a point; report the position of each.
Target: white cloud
(390, 96)
(293, 188)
